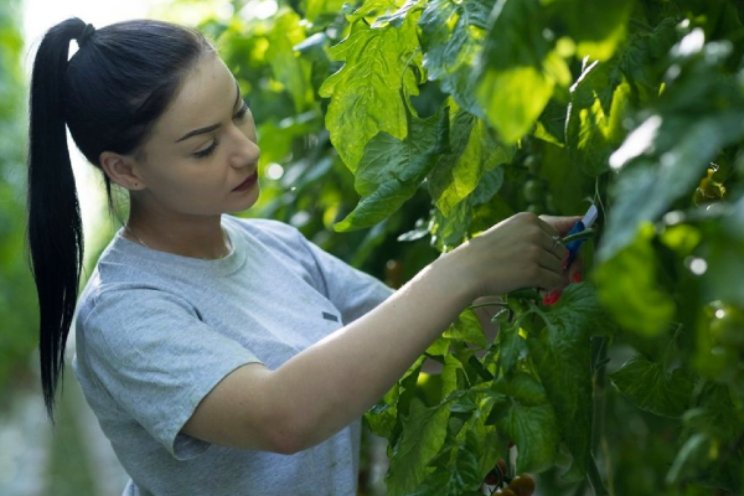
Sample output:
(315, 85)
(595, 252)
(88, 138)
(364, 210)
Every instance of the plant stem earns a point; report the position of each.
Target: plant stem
(595, 479)
(599, 407)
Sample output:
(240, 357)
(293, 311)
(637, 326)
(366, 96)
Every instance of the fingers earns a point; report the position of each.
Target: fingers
(561, 225)
(552, 255)
(575, 272)
(550, 279)
(557, 249)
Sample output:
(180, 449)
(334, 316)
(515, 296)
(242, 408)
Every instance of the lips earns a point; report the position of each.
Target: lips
(248, 182)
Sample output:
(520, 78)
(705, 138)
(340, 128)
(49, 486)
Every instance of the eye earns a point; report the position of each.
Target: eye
(240, 114)
(206, 151)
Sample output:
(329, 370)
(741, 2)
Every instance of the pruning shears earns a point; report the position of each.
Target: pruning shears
(573, 247)
(585, 223)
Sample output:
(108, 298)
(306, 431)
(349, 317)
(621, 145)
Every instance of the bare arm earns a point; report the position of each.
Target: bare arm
(333, 382)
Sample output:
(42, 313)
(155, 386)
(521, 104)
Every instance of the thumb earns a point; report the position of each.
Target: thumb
(561, 224)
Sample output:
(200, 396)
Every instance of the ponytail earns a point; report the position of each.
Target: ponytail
(109, 95)
(54, 226)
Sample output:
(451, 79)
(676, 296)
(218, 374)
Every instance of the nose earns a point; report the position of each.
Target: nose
(246, 150)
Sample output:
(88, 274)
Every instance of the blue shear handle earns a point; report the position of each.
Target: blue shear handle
(573, 246)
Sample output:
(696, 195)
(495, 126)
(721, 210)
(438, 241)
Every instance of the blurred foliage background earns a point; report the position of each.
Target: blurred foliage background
(17, 300)
(282, 54)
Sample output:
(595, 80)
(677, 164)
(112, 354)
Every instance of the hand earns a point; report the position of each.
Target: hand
(522, 251)
(572, 273)
(563, 225)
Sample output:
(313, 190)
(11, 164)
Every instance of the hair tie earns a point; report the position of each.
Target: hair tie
(83, 37)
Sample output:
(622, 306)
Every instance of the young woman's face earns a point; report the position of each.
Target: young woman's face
(201, 157)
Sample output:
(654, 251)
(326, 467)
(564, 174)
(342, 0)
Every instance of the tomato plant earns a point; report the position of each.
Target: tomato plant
(414, 125)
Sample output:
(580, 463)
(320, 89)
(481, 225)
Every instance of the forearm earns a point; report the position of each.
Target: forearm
(336, 380)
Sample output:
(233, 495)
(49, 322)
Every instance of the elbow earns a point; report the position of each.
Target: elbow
(287, 435)
(285, 443)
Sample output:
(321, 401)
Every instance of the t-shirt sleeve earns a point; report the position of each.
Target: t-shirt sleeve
(352, 291)
(156, 358)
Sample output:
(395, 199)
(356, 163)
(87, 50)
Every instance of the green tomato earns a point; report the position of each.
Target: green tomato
(533, 191)
(727, 326)
(532, 164)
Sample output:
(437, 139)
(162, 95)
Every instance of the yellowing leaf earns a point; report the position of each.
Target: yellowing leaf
(368, 94)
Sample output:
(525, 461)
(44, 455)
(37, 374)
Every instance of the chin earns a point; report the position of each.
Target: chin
(247, 201)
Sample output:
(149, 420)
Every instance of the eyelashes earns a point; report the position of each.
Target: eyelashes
(238, 116)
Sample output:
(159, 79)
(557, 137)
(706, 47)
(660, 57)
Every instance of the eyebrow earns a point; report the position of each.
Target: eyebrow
(212, 127)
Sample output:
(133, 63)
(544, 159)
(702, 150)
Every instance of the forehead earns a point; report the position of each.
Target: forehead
(207, 90)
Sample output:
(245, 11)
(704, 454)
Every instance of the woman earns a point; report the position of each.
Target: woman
(220, 355)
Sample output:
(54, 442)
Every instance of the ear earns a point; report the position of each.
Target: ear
(122, 170)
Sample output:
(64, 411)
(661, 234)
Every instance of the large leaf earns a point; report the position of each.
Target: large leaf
(449, 231)
(594, 121)
(473, 152)
(368, 94)
(628, 289)
(654, 388)
(723, 255)
(289, 69)
(529, 420)
(646, 191)
(597, 27)
(424, 432)
(562, 356)
(453, 38)
(391, 170)
(519, 68)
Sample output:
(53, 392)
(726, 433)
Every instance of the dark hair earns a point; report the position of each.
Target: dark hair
(109, 94)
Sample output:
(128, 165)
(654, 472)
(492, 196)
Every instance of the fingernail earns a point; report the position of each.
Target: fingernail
(552, 297)
(576, 277)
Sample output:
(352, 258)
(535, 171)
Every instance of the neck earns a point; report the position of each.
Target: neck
(188, 236)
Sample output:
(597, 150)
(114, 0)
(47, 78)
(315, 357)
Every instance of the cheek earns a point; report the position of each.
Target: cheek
(182, 180)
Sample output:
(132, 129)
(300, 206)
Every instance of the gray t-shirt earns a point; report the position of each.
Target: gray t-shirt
(155, 332)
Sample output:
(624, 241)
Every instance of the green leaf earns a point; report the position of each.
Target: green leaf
(424, 432)
(383, 416)
(391, 170)
(368, 94)
(640, 61)
(594, 122)
(596, 27)
(646, 191)
(289, 69)
(449, 231)
(627, 287)
(453, 34)
(653, 388)
(529, 421)
(711, 452)
(512, 347)
(474, 152)
(561, 353)
(467, 329)
(519, 70)
(315, 9)
(723, 255)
